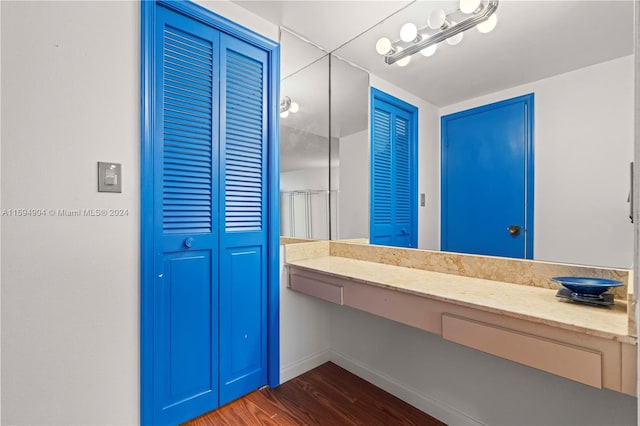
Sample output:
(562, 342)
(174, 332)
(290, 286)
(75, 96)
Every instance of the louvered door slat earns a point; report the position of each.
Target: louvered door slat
(188, 134)
(382, 186)
(185, 204)
(402, 174)
(394, 203)
(243, 241)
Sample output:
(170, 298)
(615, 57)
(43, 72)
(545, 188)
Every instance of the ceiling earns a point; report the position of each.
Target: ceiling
(533, 40)
(329, 23)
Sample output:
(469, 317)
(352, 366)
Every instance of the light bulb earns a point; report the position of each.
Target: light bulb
(404, 61)
(469, 6)
(284, 114)
(456, 38)
(294, 107)
(436, 19)
(383, 46)
(488, 25)
(408, 32)
(429, 51)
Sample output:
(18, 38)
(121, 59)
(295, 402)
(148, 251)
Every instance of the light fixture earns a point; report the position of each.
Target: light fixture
(408, 32)
(384, 46)
(404, 61)
(469, 6)
(425, 40)
(429, 51)
(456, 38)
(288, 106)
(488, 25)
(437, 19)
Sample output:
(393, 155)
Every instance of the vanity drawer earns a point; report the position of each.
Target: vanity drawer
(312, 285)
(572, 362)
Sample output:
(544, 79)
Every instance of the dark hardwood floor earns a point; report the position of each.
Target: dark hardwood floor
(327, 395)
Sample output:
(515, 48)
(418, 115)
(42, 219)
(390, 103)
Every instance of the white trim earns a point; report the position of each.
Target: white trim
(288, 372)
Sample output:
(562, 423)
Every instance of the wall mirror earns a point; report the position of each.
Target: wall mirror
(304, 140)
(349, 150)
(323, 181)
(576, 57)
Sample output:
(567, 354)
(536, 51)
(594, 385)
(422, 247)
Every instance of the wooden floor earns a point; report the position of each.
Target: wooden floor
(327, 395)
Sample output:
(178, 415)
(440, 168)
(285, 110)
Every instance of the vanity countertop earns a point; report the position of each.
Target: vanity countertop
(529, 303)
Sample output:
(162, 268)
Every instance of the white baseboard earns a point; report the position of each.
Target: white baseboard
(435, 408)
(303, 365)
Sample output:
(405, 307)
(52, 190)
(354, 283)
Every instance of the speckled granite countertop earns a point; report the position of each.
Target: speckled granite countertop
(525, 302)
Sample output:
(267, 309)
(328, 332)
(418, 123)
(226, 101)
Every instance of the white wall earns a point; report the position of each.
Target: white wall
(428, 163)
(583, 142)
(304, 329)
(70, 285)
(299, 180)
(460, 385)
(353, 198)
(241, 16)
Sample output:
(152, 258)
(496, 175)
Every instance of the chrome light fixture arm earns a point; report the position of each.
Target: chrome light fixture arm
(464, 25)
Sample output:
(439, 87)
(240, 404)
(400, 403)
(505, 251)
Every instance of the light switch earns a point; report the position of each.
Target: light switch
(109, 177)
(423, 199)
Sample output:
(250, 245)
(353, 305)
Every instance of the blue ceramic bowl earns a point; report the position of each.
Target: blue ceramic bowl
(586, 285)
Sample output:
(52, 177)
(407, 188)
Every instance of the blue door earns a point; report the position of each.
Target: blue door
(487, 179)
(209, 294)
(243, 223)
(186, 202)
(394, 198)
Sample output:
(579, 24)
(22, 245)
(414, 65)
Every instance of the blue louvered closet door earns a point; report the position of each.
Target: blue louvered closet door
(243, 200)
(393, 171)
(210, 239)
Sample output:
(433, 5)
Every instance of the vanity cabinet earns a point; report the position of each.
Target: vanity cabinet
(573, 362)
(589, 357)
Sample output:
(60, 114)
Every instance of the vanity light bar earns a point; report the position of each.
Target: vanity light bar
(479, 16)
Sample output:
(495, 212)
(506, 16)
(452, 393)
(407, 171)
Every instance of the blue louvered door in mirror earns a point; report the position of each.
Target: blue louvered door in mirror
(243, 201)
(393, 171)
(186, 206)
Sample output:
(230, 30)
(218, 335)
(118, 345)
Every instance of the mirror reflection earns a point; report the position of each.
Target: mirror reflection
(349, 150)
(581, 76)
(304, 141)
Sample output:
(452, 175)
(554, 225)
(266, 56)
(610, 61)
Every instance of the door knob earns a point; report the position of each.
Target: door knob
(188, 242)
(514, 230)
